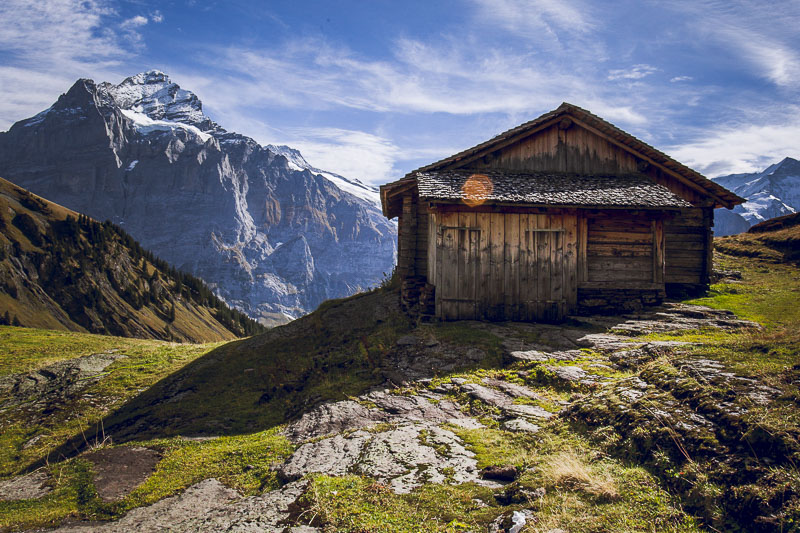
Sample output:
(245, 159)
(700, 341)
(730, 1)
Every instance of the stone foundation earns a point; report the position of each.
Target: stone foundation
(417, 296)
(610, 301)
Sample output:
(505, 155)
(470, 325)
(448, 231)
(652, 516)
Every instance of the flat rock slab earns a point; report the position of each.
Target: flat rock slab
(53, 385)
(504, 402)
(537, 356)
(512, 389)
(521, 425)
(334, 456)
(120, 470)
(404, 457)
(207, 506)
(331, 418)
(575, 374)
(27, 487)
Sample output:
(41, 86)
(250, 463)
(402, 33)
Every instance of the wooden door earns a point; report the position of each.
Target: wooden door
(547, 266)
(458, 242)
(505, 266)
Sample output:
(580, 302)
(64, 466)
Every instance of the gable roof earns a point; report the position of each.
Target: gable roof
(720, 195)
(546, 189)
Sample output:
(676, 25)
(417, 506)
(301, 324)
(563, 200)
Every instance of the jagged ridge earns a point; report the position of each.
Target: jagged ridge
(271, 237)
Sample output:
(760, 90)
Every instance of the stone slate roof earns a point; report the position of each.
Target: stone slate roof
(548, 188)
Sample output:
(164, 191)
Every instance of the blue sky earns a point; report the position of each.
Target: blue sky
(372, 89)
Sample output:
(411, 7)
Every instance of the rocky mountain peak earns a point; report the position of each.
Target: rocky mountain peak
(273, 236)
(786, 167)
(771, 193)
(153, 94)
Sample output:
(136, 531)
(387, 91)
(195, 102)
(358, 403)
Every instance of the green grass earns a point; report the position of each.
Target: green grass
(767, 294)
(25, 349)
(242, 463)
(28, 349)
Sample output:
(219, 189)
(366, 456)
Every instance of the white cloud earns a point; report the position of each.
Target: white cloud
(741, 148)
(356, 154)
(636, 72)
(48, 45)
(134, 22)
(677, 79)
(156, 16)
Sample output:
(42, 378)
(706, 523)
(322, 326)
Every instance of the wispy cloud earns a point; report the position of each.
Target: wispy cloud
(46, 46)
(357, 154)
(532, 17)
(765, 39)
(678, 79)
(742, 147)
(636, 72)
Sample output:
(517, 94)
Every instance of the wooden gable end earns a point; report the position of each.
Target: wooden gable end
(566, 144)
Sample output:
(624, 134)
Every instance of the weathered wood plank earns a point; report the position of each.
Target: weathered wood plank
(616, 250)
(571, 261)
(511, 264)
(524, 266)
(636, 285)
(482, 221)
(557, 269)
(583, 243)
(643, 264)
(658, 252)
(473, 266)
(432, 246)
(462, 279)
(621, 277)
(449, 267)
(619, 236)
(544, 255)
(439, 280)
(497, 236)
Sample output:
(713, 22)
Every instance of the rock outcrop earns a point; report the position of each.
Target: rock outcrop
(274, 237)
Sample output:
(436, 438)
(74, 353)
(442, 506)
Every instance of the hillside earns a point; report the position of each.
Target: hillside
(683, 417)
(62, 270)
(776, 240)
(271, 235)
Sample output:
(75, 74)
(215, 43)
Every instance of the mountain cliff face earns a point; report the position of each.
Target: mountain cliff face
(269, 233)
(772, 193)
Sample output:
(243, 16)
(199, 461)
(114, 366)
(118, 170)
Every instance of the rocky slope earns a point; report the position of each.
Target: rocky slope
(506, 442)
(61, 270)
(771, 193)
(272, 235)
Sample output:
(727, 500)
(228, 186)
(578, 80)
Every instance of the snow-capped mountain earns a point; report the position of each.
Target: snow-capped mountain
(271, 234)
(771, 193)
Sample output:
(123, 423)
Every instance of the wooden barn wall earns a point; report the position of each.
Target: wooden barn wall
(407, 237)
(689, 244)
(503, 266)
(623, 251)
(578, 150)
(421, 245)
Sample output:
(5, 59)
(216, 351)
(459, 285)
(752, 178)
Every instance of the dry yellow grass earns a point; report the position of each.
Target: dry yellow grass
(569, 471)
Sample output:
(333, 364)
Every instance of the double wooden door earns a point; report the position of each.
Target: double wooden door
(503, 266)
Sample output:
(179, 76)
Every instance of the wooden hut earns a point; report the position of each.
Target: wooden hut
(563, 214)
